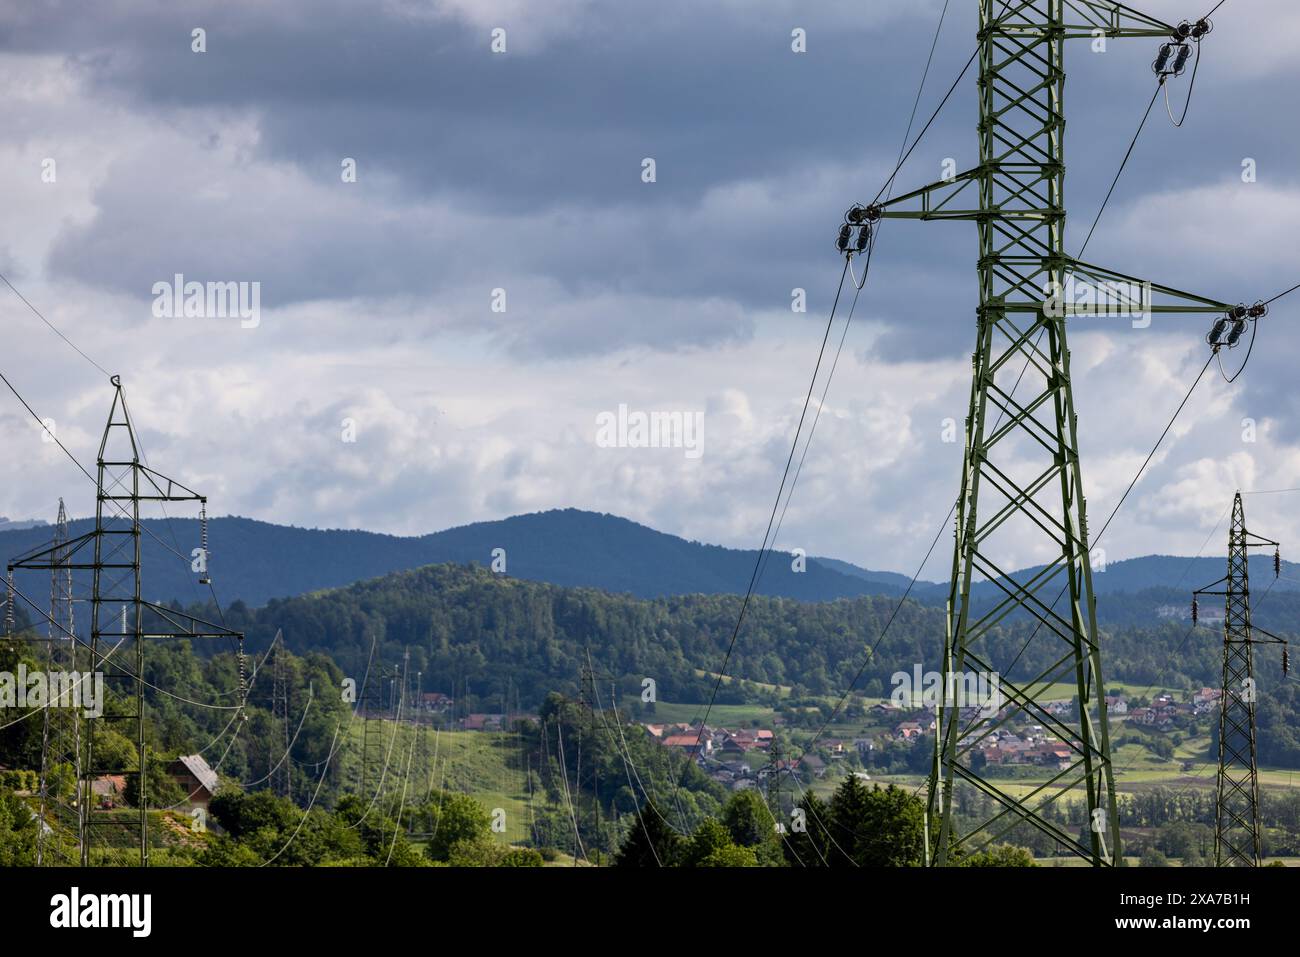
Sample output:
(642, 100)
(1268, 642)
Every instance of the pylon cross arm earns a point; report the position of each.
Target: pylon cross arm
(1182, 302)
(934, 199)
(1272, 639)
(1112, 19)
(1259, 540)
(187, 626)
(52, 556)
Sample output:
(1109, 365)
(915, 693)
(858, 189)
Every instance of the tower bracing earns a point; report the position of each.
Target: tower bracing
(1021, 488)
(60, 767)
(380, 700)
(1236, 809)
(281, 773)
(121, 625)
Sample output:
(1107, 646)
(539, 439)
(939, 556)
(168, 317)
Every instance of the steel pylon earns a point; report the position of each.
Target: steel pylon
(122, 622)
(281, 774)
(61, 728)
(1236, 810)
(1021, 484)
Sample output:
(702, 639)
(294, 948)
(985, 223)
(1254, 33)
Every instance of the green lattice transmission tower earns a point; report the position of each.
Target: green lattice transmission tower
(1021, 484)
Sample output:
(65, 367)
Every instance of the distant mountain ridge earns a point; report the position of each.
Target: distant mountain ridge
(13, 525)
(254, 562)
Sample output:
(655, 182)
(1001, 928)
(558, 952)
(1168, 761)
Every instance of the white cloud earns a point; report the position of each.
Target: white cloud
(377, 309)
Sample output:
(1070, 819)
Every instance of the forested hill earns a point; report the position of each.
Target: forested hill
(465, 626)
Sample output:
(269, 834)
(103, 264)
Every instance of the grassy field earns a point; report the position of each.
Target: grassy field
(782, 690)
(1130, 780)
(726, 715)
(487, 765)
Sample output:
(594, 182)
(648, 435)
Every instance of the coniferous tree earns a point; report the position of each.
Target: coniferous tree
(650, 841)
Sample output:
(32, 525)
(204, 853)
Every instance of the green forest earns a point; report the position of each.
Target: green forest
(579, 780)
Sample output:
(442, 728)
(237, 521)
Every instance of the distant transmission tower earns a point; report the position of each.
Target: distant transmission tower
(61, 729)
(589, 699)
(1021, 482)
(775, 767)
(121, 622)
(1236, 812)
(282, 773)
(380, 705)
(422, 731)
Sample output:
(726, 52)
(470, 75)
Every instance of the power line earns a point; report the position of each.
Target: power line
(818, 414)
(758, 565)
(1119, 172)
(937, 110)
(55, 439)
(1254, 329)
(916, 575)
(753, 578)
(866, 270)
(126, 672)
(1281, 294)
(1115, 510)
(1191, 87)
(53, 328)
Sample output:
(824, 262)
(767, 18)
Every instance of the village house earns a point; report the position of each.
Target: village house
(814, 764)
(435, 702)
(731, 747)
(746, 740)
(1052, 755)
(694, 743)
(1206, 700)
(907, 730)
(195, 777)
(483, 722)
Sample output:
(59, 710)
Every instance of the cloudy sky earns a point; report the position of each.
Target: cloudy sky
(521, 171)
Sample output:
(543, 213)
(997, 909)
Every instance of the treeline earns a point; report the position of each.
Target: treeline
(483, 637)
(192, 708)
(595, 768)
(857, 826)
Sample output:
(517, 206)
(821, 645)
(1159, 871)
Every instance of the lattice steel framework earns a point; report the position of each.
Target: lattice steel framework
(61, 726)
(122, 623)
(379, 704)
(281, 775)
(1236, 818)
(1021, 479)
